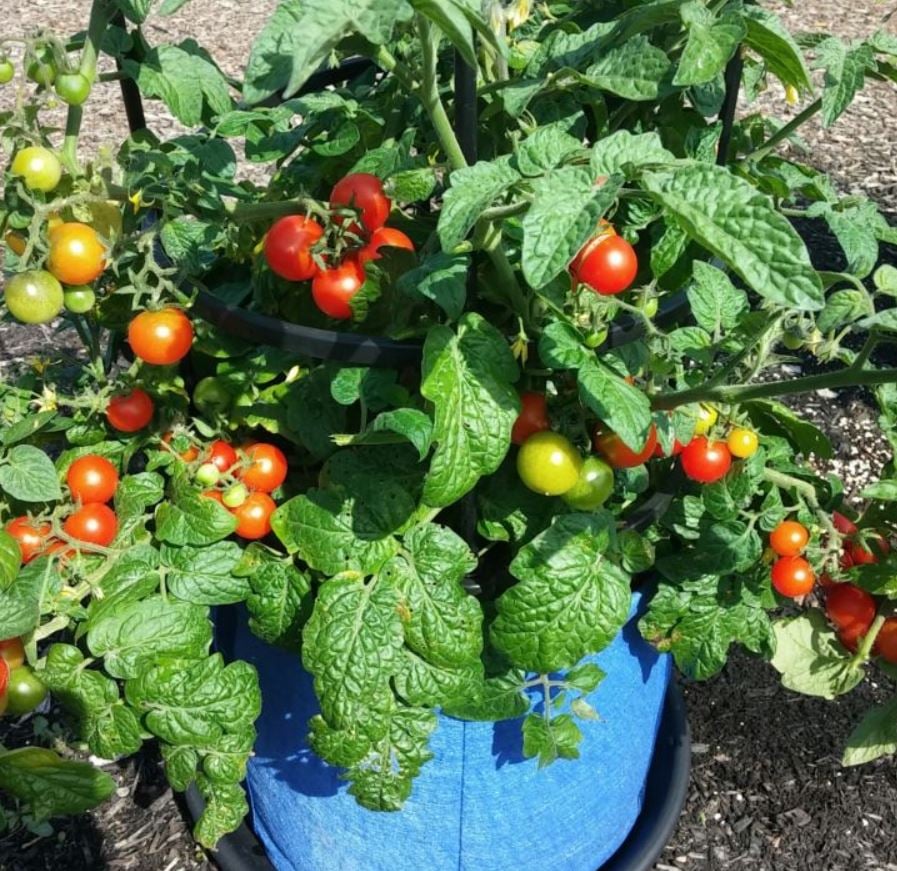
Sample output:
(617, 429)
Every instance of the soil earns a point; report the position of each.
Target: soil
(767, 789)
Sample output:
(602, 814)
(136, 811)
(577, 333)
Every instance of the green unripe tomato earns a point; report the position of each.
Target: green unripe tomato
(548, 463)
(38, 167)
(595, 484)
(7, 71)
(211, 397)
(207, 475)
(596, 338)
(72, 88)
(41, 66)
(235, 496)
(649, 306)
(79, 299)
(25, 691)
(33, 297)
(793, 340)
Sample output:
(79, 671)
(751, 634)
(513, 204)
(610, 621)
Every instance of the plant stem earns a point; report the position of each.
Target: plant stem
(506, 274)
(429, 96)
(784, 132)
(249, 212)
(862, 654)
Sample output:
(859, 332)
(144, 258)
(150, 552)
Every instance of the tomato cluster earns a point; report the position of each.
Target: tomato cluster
(295, 245)
(792, 575)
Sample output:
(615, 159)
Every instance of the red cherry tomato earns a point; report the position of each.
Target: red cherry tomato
(792, 576)
(333, 289)
(266, 469)
(364, 192)
(862, 555)
(607, 264)
(95, 523)
(846, 560)
(129, 412)
(384, 237)
(32, 537)
(842, 524)
(221, 455)
(161, 337)
(789, 538)
(92, 478)
(4, 680)
(533, 417)
(620, 455)
(886, 640)
(288, 247)
(678, 447)
(848, 606)
(12, 652)
(254, 516)
(706, 461)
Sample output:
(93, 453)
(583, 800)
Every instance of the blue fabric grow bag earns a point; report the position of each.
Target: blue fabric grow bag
(478, 805)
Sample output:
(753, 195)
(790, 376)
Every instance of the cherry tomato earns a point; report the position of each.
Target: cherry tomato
(846, 560)
(32, 538)
(333, 289)
(92, 478)
(15, 242)
(288, 247)
(743, 443)
(12, 652)
(533, 417)
(849, 639)
(38, 167)
(7, 71)
(221, 455)
(207, 475)
(864, 554)
(95, 523)
(25, 691)
(4, 683)
(235, 495)
(706, 418)
(161, 337)
(267, 467)
(41, 65)
(789, 538)
(792, 576)
(606, 264)
(254, 516)
(595, 484)
(72, 88)
(79, 300)
(362, 191)
(620, 455)
(848, 606)
(188, 455)
(548, 463)
(842, 524)
(213, 494)
(77, 256)
(706, 461)
(886, 640)
(130, 412)
(384, 237)
(33, 297)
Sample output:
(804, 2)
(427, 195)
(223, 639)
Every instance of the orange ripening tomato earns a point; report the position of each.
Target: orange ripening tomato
(188, 455)
(618, 454)
(161, 337)
(533, 417)
(792, 576)
(266, 469)
(384, 237)
(32, 537)
(254, 516)
(789, 538)
(77, 256)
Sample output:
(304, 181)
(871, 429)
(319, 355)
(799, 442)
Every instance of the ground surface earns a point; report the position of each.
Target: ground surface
(767, 790)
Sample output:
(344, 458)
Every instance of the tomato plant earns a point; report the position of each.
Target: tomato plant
(265, 469)
(222, 455)
(384, 237)
(254, 516)
(72, 88)
(12, 652)
(79, 300)
(848, 606)
(24, 692)
(594, 486)
(743, 443)
(7, 71)
(31, 537)
(792, 576)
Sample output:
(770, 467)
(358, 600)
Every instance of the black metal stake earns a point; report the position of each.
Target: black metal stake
(727, 114)
(130, 93)
(466, 107)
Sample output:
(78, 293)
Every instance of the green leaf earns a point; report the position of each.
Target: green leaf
(707, 50)
(498, 698)
(728, 546)
(738, 224)
(279, 602)
(771, 40)
(134, 10)
(584, 677)
(623, 151)
(546, 148)
(414, 425)
(20, 604)
(449, 17)
(715, 302)
(874, 736)
(557, 738)
(313, 414)
(193, 520)
(697, 622)
(845, 74)
(421, 683)
(509, 510)
(886, 490)
(205, 575)
(351, 645)
(29, 475)
(472, 190)
(134, 495)
(180, 764)
(885, 279)
(138, 634)
(225, 809)
(441, 278)
(196, 702)
(855, 229)
(561, 347)
(774, 418)
(570, 600)
(810, 659)
(110, 728)
(26, 427)
(469, 378)
(622, 407)
(10, 560)
(190, 243)
(51, 785)
(566, 207)
(441, 622)
(635, 70)
(841, 308)
(185, 78)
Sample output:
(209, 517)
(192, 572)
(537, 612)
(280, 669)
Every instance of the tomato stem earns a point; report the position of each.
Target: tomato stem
(862, 655)
(784, 132)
